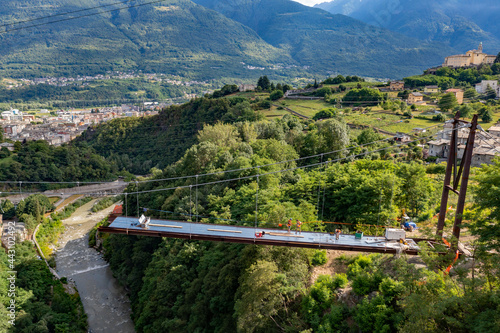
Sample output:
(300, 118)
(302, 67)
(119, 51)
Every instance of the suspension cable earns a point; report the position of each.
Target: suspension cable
(319, 186)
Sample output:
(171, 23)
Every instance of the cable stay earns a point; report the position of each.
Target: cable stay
(263, 165)
(325, 163)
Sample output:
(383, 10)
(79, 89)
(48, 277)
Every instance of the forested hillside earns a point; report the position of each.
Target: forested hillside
(180, 37)
(199, 286)
(458, 24)
(174, 36)
(37, 161)
(329, 42)
(138, 144)
(41, 302)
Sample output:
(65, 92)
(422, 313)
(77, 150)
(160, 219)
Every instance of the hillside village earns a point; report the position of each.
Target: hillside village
(63, 126)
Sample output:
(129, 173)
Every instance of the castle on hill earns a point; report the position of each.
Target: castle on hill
(471, 58)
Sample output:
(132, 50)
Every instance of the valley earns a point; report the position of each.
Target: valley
(183, 166)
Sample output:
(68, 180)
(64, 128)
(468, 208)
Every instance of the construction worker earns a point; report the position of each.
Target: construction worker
(299, 227)
(289, 224)
(337, 234)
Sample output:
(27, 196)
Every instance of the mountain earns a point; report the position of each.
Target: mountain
(459, 24)
(210, 39)
(173, 36)
(334, 43)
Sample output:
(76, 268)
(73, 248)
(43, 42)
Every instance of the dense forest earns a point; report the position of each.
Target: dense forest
(199, 286)
(183, 286)
(97, 93)
(137, 145)
(37, 161)
(42, 304)
(214, 160)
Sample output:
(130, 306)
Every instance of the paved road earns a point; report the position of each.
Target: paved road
(93, 190)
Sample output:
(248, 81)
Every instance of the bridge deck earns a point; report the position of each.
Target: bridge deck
(239, 234)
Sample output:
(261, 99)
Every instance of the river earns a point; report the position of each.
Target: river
(104, 300)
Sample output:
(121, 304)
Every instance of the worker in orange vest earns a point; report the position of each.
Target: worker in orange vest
(299, 227)
(337, 234)
(289, 224)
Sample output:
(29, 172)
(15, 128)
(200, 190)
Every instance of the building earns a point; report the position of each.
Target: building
(8, 145)
(438, 148)
(495, 130)
(471, 58)
(247, 87)
(485, 147)
(20, 233)
(415, 98)
(459, 94)
(431, 89)
(402, 137)
(483, 85)
(397, 85)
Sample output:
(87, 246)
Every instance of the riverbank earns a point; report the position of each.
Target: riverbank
(104, 300)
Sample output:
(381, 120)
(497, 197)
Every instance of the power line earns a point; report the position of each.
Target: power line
(262, 174)
(241, 169)
(81, 16)
(66, 13)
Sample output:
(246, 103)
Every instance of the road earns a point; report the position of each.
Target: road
(94, 190)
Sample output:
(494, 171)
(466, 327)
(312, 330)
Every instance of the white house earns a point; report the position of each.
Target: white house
(481, 87)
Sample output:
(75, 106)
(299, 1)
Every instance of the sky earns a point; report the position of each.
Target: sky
(310, 2)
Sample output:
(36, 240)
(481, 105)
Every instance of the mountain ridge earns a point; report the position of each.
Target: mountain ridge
(207, 39)
(458, 24)
(331, 41)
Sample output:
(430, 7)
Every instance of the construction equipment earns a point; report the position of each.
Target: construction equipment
(407, 224)
(394, 234)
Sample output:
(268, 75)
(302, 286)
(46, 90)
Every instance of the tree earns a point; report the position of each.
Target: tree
(35, 205)
(490, 93)
(497, 59)
(17, 146)
(326, 113)
(4, 152)
(404, 94)
(336, 80)
(416, 189)
(448, 102)
(275, 95)
(487, 117)
(487, 200)
(260, 298)
(322, 92)
(495, 68)
(466, 111)
(263, 82)
(334, 135)
(439, 117)
(363, 96)
(367, 136)
(1, 135)
(8, 209)
(470, 93)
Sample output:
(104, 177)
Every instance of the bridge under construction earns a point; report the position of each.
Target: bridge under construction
(259, 236)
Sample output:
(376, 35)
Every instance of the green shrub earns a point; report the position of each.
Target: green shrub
(275, 95)
(340, 281)
(319, 258)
